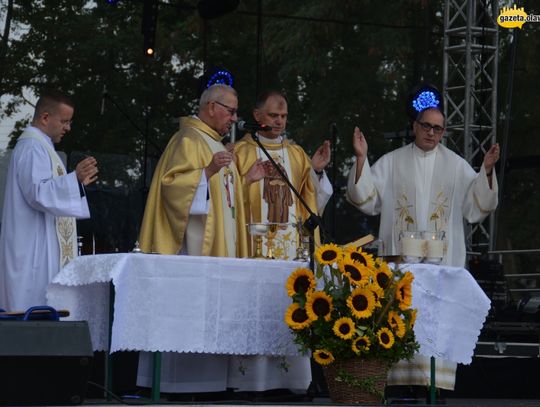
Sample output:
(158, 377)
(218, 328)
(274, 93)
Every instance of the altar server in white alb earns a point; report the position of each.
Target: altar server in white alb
(423, 186)
(39, 235)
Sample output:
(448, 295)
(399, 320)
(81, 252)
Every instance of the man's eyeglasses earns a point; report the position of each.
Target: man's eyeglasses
(66, 122)
(232, 111)
(438, 130)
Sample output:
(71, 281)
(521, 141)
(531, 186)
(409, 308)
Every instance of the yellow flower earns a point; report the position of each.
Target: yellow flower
(404, 291)
(413, 317)
(386, 338)
(328, 254)
(359, 256)
(361, 344)
(361, 302)
(397, 324)
(382, 274)
(297, 317)
(300, 281)
(319, 305)
(357, 273)
(344, 328)
(323, 357)
(377, 291)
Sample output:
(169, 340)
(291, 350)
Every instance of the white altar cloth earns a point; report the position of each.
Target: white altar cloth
(452, 309)
(236, 306)
(180, 303)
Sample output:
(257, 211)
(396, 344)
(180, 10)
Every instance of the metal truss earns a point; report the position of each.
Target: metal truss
(471, 45)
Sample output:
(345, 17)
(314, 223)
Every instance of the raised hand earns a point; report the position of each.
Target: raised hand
(219, 160)
(322, 156)
(491, 157)
(86, 170)
(359, 144)
(360, 150)
(256, 172)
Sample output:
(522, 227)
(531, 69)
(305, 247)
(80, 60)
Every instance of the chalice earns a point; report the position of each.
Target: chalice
(258, 230)
(270, 235)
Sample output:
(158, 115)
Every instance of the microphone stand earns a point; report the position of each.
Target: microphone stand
(334, 130)
(314, 220)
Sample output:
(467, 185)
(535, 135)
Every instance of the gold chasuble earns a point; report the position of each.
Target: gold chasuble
(174, 183)
(271, 200)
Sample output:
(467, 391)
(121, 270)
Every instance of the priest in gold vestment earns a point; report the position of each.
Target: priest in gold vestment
(195, 201)
(271, 200)
(195, 207)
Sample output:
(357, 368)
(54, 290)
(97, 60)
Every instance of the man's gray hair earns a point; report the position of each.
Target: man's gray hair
(215, 93)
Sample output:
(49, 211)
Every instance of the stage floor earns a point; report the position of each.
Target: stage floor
(327, 402)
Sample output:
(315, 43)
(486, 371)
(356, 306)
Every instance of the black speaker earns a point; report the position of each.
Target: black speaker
(44, 362)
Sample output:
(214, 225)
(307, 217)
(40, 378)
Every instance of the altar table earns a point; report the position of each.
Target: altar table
(179, 303)
(236, 306)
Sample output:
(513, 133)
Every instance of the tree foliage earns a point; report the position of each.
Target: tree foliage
(349, 63)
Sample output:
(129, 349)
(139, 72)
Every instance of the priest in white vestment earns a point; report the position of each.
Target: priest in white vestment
(41, 200)
(423, 186)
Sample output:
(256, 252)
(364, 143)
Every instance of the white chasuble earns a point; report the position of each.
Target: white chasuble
(423, 191)
(36, 195)
(66, 226)
(413, 190)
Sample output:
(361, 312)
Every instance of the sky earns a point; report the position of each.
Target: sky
(6, 124)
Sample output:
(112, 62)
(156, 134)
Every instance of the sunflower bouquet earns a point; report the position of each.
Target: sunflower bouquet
(351, 306)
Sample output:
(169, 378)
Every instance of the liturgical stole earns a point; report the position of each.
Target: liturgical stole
(66, 227)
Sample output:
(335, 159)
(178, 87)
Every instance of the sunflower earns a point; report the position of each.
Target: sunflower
(413, 317)
(397, 324)
(386, 338)
(328, 254)
(297, 317)
(359, 256)
(378, 292)
(361, 344)
(319, 305)
(357, 273)
(404, 291)
(344, 328)
(300, 281)
(323, 357)
(361, 302)
(382, 274)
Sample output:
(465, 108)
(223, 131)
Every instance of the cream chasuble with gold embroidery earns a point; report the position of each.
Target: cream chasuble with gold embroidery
(416, 190)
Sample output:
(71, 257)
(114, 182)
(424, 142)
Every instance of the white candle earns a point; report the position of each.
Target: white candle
(435, 249)
(413, 247)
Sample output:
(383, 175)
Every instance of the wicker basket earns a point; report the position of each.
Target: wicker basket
(346, 380)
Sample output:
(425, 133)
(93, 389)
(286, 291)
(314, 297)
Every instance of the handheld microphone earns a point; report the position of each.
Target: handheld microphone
(232, 134)
(103, 95)
(243, 126)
